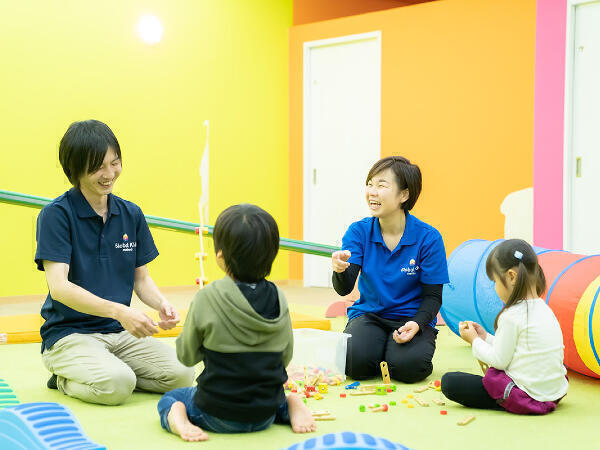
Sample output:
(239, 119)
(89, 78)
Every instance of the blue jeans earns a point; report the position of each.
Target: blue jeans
(212, 423)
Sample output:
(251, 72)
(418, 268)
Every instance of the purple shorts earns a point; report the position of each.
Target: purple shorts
(510, 397)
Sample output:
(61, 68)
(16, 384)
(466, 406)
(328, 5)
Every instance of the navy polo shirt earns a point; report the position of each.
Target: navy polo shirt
(389, 281)
(102, 258)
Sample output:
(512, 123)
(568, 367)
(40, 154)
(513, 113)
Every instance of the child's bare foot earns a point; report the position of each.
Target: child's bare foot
(180, 424)
(300, 416)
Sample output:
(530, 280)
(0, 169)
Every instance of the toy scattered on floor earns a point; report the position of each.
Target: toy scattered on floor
(421, 389)
(438, 402)
(443, 412)
(323, 414)
(421, 402)
(342, 395)
(362, 408)
(41, 426)
(385, 374)
(382, 408)
(465, 420)
(410, 405)
(392, 403)
(352, 385)
(346, 440)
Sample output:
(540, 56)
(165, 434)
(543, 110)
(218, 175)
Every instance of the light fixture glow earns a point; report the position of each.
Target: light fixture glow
(150, 29)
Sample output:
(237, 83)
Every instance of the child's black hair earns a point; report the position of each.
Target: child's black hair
(83, 147)
(249, 239)
(517, 254)
(408, 176)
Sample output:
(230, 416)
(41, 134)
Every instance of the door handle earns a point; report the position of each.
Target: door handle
(578, 167)
(315, 176)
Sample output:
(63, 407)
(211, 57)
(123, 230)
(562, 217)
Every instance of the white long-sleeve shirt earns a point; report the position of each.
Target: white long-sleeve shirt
(528, 347)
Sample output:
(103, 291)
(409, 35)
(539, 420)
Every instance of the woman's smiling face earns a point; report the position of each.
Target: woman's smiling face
(383, 194)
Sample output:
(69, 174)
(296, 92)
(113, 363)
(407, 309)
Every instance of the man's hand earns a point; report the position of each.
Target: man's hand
(339, 260)
(169, 317)
(136, 322)
(406, 332)
(467, 331)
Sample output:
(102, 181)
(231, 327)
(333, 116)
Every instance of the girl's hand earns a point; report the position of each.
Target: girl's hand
(406, 332)
(339, 260)
(480, 330)
(467, 331)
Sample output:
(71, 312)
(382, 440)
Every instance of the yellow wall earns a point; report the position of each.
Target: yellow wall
(457, 99)
(222, 60)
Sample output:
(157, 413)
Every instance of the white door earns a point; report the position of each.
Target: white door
(582, 230)
(342, 139)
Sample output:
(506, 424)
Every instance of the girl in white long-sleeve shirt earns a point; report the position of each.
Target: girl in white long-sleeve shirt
(526, 374)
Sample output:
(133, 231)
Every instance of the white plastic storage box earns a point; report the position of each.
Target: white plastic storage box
(325, 350)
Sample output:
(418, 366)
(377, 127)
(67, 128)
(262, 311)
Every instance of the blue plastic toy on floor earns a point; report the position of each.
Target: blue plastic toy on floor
(41, 426)
(347, 440)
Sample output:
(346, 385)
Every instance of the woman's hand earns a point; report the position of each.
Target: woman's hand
(406, 332)
(467, 331)
(339, 260)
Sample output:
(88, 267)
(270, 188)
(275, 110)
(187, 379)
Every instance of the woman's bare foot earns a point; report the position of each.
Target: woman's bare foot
(180, 424)
(300, 416)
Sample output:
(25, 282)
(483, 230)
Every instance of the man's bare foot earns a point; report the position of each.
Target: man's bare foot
(300, 416)
(180, 424)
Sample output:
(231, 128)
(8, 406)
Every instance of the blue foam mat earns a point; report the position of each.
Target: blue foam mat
(42, 426)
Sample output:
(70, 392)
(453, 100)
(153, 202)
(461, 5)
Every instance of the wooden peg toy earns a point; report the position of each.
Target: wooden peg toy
(385, 373)
(421, 402)
(465, 420)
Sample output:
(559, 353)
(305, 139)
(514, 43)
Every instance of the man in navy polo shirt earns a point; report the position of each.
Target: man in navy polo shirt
(402, 265)
(94, 247)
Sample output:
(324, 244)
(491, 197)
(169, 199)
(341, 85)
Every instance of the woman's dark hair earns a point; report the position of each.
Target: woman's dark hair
(515, 253)
(408, 176)
(249, 239)
(83, 147)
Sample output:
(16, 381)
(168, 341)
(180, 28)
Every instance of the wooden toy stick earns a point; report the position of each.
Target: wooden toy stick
(465, 421)
(421, 389)
(385, 374)
(421, 402)
(439, 402)
(321, 412)
(355, 392)
(324, 418)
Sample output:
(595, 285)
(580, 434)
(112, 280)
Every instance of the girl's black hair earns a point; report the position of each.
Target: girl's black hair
(517, 254)
(248, 236)
(83, 147)
(408, 176)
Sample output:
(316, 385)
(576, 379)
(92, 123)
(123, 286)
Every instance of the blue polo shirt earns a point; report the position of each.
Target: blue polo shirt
(102, 258)
(389, 281)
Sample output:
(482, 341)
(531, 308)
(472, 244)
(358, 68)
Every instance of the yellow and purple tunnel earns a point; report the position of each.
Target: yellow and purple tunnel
(572, 289)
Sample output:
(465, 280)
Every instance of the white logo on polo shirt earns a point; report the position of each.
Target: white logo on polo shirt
(126, 246)
(412, 270)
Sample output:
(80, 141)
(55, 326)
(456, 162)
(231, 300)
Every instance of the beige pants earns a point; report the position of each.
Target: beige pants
(106, 368)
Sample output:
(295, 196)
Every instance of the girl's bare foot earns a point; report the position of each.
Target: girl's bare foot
(180, 424)
(300, 416)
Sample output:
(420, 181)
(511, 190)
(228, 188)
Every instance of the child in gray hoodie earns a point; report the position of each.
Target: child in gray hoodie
(240, 327)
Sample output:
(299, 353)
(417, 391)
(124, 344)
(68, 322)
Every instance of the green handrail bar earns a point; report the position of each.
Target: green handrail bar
(312, 248)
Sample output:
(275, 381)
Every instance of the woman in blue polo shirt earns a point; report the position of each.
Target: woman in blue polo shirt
(94, 247)
(402, 266)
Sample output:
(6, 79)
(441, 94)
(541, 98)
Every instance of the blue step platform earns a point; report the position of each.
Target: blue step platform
(42, 426)
(347, 440)
(7, 396)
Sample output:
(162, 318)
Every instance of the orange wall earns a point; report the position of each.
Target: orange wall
(306, 11)
(457, 99)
